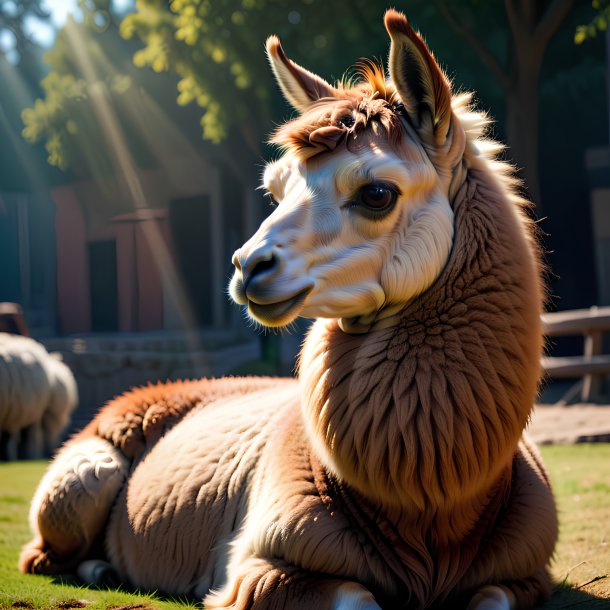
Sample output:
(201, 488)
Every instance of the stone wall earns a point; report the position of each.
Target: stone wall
(105, 367)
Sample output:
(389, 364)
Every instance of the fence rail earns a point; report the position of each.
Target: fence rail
(592, 365)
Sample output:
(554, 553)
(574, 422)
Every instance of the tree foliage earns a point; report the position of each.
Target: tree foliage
(599, 23)
(216, 49)
(89, 65)
(213, 50)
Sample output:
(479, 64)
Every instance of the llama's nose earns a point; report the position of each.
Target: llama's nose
(259, 267)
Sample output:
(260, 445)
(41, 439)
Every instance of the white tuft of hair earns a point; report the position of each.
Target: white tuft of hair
(493, 597)
(352, 596)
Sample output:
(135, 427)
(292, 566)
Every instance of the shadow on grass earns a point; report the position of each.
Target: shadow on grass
(111, 584)
(565, 596)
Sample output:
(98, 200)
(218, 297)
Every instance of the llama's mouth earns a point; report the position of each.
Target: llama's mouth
(280, 313)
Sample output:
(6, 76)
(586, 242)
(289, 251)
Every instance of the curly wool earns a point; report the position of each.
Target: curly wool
(62, 402)
(25, 383)
(36, 389)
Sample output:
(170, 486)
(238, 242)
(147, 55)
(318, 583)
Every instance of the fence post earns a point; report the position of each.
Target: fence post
(591, 384)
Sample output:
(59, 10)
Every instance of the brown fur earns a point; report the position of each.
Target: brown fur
(425, 416)
(368, 103)
(394, 466)
(137, 419)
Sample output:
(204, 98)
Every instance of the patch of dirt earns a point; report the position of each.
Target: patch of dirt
(130, 607)
(598, 586)
(68, 604)
(559, 425)
(21, 603)
(589, 596)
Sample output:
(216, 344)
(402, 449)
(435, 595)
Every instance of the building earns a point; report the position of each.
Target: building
(130, 295)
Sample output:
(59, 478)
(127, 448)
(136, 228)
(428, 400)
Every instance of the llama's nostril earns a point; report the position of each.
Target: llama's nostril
(260, 265)
(264, 266)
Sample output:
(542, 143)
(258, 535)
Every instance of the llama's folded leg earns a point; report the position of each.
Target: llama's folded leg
(72, 504)
(263, 585)
(137, 419)
(513, 595)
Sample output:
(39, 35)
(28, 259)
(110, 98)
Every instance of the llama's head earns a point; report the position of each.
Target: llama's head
(363, 222)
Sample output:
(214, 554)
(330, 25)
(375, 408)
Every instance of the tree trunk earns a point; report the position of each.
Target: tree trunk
(522, 125)
(532, 24)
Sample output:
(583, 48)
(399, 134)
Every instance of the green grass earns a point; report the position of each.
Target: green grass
(17, 484)
(581, 479)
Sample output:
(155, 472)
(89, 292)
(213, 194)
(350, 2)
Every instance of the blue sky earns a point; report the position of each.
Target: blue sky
(44, 33)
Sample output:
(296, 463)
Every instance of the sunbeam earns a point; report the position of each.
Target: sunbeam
(127, 173)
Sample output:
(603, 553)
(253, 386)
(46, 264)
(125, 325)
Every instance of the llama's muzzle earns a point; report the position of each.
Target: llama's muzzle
(263, 282)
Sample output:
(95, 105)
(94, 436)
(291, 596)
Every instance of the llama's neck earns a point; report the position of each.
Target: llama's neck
(424, 417)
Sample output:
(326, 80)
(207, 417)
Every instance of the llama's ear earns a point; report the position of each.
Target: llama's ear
(423, 88)
(300, 87)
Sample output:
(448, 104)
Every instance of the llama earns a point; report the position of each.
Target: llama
(62, 402)
(12, 320)
(24, 389)
(37, 396)
(393, 472)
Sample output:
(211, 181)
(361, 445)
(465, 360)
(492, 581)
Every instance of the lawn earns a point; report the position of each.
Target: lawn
(581, 477)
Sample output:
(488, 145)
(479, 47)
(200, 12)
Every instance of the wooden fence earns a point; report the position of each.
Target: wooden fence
(592, 365)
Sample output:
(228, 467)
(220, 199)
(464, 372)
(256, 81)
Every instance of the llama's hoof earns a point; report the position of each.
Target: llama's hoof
(493, 597)
(97, 572)
(352, 596)
(31, 558)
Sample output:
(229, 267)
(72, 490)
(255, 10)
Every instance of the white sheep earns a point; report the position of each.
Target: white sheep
(37, 395)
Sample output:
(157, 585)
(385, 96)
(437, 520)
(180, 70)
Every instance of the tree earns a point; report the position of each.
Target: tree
(21, 69)
(91, 81)
(216, 49)
(532, 24)
(13, 17)
(17, 47)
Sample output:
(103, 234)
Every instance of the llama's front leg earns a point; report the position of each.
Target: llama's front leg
(513, 595)
(264, 585)
(11, 446)
(32, 442)
(72, 504)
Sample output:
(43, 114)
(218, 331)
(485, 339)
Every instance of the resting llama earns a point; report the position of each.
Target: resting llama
(37, 395)
(393, 473)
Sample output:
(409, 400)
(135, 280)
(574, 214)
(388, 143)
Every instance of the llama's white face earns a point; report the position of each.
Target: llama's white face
(353, 232)
(363, 223)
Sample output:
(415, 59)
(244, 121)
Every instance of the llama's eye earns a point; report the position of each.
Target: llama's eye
(376, 200)
(347, 121)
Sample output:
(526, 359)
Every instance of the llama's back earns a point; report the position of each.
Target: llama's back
(24, 382)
